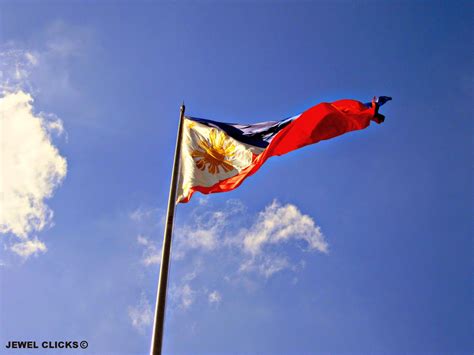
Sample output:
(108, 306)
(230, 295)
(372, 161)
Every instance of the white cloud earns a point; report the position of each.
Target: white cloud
(42, 65)
(277, 224)
(183, 295)
(141, 214)
(141, 315)
(29, 247)
(266, 265)
(192, 275)
(151, 253)
(201, 238)
(280, 224)
(31, 166)
(147, 223)
(244, 247)
(207, 228)
(15, 69)
(65, 40)
(214, 297)
(32, 58)
(203, 200)
(152, 259)
(142, 240)
(147, 218)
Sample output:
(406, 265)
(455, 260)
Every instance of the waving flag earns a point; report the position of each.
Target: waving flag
(218, 157)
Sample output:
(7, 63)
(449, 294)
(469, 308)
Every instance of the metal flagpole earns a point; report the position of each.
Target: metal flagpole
(158, 325)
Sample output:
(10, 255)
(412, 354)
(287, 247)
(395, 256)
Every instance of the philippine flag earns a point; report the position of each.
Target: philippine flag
(218, 157)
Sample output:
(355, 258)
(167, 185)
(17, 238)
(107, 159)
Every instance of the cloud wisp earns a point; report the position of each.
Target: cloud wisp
(151, 251)
(214, 297)
(141, 315)
(183, 295)
(148, 223)
(29, 247)
(41, 66)
(206, 228)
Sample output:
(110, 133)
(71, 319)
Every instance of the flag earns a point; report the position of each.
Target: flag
(218, 156)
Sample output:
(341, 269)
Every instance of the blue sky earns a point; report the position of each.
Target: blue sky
(392, 202)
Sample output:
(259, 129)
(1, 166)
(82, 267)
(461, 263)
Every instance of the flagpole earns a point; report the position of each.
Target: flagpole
(158, 325)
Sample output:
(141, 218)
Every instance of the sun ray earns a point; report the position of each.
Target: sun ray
(214, 153)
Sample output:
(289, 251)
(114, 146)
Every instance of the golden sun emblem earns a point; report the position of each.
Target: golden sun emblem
(214, 153)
